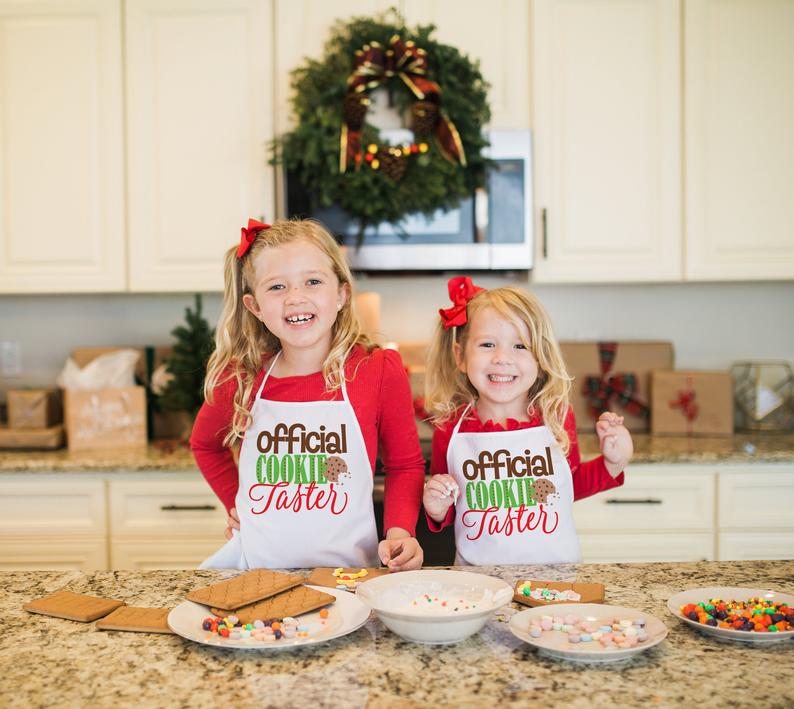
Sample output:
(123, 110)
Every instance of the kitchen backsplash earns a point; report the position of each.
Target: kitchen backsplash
(710, 325)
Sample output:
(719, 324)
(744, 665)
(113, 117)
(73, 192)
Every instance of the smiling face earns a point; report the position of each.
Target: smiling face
(297, 295)
(498, 364)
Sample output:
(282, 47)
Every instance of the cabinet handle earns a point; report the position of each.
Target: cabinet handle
(545, 231)
(647, 501)
(187, 508)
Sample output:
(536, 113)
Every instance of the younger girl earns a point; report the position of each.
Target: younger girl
(295, 380)
(505, 458)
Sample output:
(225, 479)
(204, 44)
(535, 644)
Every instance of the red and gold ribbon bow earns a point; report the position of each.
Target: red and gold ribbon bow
(372, 66)
(686, 402)
(248, 234)
(461, 291)
(599, 391)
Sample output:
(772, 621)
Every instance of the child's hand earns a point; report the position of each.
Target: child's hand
(400, 553)
(441, 492)
(615, 442)
(232, 522)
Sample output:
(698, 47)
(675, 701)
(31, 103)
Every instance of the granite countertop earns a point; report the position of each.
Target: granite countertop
(48, 661)
(164, 456)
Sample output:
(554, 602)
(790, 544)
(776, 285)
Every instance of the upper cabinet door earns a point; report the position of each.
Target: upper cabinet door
(61, 147)
(498, 36)
(199, 120)
(739, 123)
(608, 149)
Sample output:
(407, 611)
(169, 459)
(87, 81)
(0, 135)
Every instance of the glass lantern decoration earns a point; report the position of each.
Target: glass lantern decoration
(764, 395)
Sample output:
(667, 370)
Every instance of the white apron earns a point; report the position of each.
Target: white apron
(516, 497)
(305, 489)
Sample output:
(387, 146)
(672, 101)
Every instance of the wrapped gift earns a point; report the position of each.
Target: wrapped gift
(34, 408)
(614, 376)
(105, 418)
(31, 438)
(692, 403)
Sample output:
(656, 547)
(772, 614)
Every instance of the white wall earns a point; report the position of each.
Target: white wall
(710, 325)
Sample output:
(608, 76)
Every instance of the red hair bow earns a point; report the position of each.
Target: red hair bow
(461, 291)
(248, 234)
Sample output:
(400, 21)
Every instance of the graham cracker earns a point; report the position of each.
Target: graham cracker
(294, 602)
(325, 577)
(73, 606)
(136, 620)
(244, 589)
(589, 592)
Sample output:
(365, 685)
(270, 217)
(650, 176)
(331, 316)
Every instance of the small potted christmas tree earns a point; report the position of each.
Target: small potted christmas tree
(183, 389)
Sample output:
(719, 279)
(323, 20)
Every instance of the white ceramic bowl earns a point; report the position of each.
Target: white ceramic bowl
(400, 602)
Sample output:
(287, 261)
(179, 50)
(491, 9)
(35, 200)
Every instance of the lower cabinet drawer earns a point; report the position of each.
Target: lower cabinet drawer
(52, 505)
(755, 545)
(53, 553)
(753, 499)
(147, 554)
(650, 501)
(634, 547)
(165, 509)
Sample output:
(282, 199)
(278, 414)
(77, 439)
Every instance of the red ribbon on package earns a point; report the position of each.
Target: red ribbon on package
(686, 402)
(600, 390)
(372, 66)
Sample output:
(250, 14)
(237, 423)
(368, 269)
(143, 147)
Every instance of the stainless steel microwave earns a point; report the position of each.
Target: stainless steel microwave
(491, 230)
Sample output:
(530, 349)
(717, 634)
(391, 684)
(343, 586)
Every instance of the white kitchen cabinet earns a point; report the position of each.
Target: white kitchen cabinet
(199, 119)
(61, 147)
(498, 39)
(48, 553)
(660, 513)
(149, 554)
(739, 138)
(607, 120)
(605, 548)
(755, 512)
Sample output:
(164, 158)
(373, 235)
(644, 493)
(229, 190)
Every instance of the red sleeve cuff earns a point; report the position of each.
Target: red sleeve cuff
(434, 526)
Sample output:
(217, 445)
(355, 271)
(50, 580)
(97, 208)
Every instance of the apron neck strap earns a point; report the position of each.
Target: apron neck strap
(462, 416)
(343, 387)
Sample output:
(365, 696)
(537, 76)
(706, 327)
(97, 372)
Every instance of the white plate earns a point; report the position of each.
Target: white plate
(555, 642)
(344, 616)
(730, 593)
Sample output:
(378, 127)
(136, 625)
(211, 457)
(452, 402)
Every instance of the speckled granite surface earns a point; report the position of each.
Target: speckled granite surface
(51, 662)
(169, 456)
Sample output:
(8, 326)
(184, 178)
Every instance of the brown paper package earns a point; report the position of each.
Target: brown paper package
(713, 397)
(638, 358)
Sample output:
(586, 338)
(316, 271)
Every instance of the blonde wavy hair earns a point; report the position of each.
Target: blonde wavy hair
(447, 389)
(241, 340)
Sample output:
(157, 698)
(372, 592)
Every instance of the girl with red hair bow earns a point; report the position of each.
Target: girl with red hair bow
(505, 458)
(296, 384)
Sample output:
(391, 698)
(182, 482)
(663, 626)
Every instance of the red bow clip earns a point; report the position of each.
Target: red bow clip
(247, 236)
(461, 291)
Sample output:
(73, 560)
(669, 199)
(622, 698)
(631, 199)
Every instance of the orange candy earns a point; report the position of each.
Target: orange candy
(324, 613)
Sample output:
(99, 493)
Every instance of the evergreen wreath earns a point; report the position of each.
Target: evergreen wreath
(340, 158)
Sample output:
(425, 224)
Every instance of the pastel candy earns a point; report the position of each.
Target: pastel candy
(535, 632)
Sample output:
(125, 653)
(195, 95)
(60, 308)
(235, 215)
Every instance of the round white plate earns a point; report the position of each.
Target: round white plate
(344, 616)
(555, 643)
(730, 593)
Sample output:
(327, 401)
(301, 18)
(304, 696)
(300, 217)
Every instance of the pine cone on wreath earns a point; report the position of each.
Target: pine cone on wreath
(393, 163)
(354, 110)
(424, 116)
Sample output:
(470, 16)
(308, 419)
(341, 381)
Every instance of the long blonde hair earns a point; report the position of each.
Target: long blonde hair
(447, 389)
(241, 340)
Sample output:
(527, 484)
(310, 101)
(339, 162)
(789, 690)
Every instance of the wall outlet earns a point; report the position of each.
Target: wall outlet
(10, 358)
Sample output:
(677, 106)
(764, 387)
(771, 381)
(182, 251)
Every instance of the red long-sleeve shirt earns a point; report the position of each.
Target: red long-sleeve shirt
(380, 395)
(589, 477)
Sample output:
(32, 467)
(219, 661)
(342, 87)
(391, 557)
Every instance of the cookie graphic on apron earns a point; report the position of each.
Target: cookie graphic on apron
(305, 489)
(516, 497)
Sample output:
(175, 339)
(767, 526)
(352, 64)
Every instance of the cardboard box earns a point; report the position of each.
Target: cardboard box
(85, 355)
(692, 403)
(105, 418)
(588, 363)
(32, 438)
(34, 408)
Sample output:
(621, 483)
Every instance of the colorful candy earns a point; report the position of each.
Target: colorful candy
(261, 630)
(620, 633)
(755, 615)
(548, 595)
